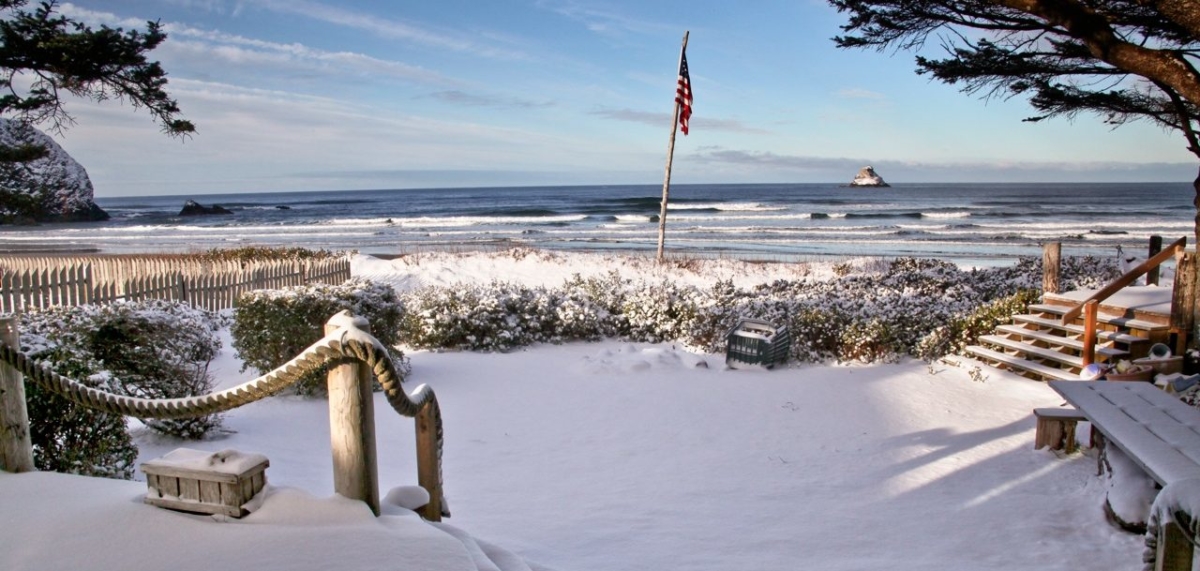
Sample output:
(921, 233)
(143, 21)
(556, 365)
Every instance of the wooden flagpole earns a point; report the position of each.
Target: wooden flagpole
(662, 214)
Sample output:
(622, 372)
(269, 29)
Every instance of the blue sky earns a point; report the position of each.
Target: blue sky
(323, 95)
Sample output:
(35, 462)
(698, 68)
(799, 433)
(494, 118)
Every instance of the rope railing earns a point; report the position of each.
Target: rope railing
(347, 342)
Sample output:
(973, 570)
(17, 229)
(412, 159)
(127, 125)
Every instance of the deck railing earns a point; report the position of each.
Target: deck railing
(1090, 307)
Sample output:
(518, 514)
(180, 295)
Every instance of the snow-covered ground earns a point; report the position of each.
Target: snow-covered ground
(608, 456)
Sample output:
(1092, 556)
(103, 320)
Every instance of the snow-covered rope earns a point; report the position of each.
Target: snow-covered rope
(348, 342)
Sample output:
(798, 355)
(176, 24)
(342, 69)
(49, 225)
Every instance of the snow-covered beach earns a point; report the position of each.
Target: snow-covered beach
(611, 455)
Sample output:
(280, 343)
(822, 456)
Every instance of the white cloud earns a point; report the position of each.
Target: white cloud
(193, 45)
(605, 21)
(384, 27)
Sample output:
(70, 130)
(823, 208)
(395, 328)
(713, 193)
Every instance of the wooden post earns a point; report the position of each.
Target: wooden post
(1174, 551)
(1051, 266)
(1155, 248)
(352, 423)
(429, 464)
(1183, 294)
(16, 449)
(1090, 311)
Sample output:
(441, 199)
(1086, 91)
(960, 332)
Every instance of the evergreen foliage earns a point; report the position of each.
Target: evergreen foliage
(270, 327)
(59, 55)
(1124, 60)
(152, 349)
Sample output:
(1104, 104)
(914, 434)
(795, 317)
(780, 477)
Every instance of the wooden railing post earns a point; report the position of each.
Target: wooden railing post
(1090, 311)
(16, 449)
(1155, 248)
(1174, 551)
(1127, 279)
(1051, 266)
(1183, 300)
(352, 424)
(429, 464)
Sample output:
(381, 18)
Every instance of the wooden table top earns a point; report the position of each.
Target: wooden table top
(1156, 430)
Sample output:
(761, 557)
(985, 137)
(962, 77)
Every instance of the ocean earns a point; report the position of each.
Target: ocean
(970, 224)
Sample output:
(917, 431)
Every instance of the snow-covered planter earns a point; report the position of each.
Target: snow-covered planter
(270, 327)
(151, 349)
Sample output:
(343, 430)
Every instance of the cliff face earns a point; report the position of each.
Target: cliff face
(54, 188)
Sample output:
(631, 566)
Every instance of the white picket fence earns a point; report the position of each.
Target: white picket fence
(29, 283)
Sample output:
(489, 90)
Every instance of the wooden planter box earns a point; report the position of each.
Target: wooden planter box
(197, 481)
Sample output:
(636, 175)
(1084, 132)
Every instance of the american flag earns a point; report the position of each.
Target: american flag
(683, 93)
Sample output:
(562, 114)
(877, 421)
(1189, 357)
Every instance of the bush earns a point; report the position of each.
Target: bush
(955, 336)
(152, 349)
(270, 327)
(878, 311)
(263, 253)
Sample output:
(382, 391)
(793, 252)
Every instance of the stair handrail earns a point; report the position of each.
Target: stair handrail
(1129, 277)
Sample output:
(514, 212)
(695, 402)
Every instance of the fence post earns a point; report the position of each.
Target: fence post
(1051, 266)
(429, 463)
(16, 449)
(1155, 248)
(352, 423)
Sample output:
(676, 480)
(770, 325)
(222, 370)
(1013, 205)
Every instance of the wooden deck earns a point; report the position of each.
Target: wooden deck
(1151, 304)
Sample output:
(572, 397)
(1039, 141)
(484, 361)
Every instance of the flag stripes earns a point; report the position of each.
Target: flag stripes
(683, 93)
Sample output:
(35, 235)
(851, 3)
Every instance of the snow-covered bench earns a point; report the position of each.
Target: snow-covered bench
(1056, 428)
(1161, 434)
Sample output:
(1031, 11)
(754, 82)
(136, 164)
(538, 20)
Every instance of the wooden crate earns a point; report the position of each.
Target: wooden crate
(198, 481)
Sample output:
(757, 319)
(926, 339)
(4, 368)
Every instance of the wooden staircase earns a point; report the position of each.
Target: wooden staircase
(1038, 345)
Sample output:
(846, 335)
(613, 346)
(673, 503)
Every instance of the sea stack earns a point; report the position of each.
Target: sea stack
(867, 177)
(51, 188)
(193, 208)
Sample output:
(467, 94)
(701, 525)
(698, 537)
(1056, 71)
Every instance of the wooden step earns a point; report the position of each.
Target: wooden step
(1051, 339)
(1021, 365)
(1113, 336)
(1029, 351)
(1116, 320)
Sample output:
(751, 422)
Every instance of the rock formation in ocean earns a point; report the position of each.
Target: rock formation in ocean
(52, 188)
(193, 208)
(867, 177)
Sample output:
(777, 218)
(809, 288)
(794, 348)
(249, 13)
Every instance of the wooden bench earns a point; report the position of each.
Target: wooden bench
(1157, 431)
(1056, 428)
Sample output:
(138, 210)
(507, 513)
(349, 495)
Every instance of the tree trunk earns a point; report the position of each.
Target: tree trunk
(1196, 266)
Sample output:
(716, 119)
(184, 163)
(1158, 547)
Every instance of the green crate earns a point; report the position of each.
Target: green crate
(757, 343)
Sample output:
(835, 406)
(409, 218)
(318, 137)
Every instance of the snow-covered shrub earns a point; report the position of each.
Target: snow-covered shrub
(590, 309)
(71, 438)
(965, 330)
(270, 254)
(869, 342)
(270, 327)
(150, 349)
(880, 311)
(659, 311)
(716, 314)
(489, 317)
